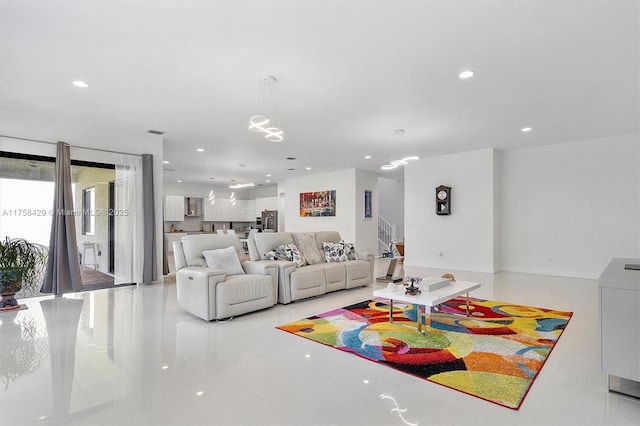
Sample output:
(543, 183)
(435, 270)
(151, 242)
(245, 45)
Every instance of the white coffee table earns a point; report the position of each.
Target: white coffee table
(427, 299)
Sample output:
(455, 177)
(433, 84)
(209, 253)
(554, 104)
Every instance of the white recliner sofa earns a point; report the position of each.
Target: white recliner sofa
(212, 293)
(301, 282)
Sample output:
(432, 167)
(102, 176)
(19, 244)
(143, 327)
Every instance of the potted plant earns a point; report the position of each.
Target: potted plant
(20, 262)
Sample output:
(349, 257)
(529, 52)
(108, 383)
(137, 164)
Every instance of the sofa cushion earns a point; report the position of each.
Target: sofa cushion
(225, 259)
(306, 243)
(287, 252)
(334, 252)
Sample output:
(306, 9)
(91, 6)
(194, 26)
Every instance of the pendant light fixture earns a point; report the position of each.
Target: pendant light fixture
(404, 160)
(261, 123)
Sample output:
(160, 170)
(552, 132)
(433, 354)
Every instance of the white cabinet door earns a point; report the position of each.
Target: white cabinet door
(221, 210)
(208, 210)
(241, 211)
(174, 208)
(250, 213)
(233, 210)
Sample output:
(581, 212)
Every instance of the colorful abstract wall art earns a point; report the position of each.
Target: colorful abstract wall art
(316, 204)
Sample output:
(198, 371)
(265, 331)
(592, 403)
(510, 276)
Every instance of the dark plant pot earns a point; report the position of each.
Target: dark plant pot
(10, 284)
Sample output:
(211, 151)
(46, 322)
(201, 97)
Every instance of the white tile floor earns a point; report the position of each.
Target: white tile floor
(133, 356)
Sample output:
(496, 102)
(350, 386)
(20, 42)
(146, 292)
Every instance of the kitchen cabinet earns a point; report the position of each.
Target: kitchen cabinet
(174, 208)
(221, 210)
(208, 211)
(250, 212)
(170, 237)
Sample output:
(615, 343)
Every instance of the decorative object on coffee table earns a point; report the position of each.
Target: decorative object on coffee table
(450, 277)
(20, 262)
(412, 289)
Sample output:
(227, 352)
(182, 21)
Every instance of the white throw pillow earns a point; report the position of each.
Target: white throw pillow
(225, 259)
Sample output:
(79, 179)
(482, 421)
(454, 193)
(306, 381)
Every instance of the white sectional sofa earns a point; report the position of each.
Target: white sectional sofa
(212, 293)
(319, 277)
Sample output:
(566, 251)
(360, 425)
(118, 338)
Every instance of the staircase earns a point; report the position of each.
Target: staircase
(386, 234)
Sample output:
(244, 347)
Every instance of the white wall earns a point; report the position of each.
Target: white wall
(344, 182)
(390, 203)
(466, 236)
(568, 209)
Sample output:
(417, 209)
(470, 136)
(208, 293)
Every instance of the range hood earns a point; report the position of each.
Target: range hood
(192, 206)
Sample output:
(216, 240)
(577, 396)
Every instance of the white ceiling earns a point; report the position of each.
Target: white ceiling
(349, 71)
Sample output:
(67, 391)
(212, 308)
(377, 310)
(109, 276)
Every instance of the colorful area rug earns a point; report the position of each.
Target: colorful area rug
(494, 354)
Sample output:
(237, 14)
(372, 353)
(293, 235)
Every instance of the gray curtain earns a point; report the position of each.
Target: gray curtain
(150, 262)
(63, 268)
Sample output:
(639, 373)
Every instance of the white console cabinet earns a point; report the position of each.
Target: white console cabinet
(620, 325)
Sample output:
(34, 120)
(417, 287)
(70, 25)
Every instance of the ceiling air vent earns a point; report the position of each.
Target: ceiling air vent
(155, 132)
(290, 158)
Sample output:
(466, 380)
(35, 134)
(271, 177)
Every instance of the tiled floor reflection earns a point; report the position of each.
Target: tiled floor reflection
(132, 356)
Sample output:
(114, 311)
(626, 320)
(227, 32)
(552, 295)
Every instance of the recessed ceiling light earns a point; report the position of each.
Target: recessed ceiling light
(179, 181)
(199, 393)
(200, 149)
(267, 181)
(466, 74)
(308, 168)
(268, 175)
(81, 84)
(165, 162)
(367, 157)
(526, 129)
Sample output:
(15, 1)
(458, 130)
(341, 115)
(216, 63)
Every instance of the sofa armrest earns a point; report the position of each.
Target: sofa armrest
(369, 257)
(196, 290)
(264, 267)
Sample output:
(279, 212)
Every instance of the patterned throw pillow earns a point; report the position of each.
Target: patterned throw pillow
(287, 252)
(334, 252)
(350, 250)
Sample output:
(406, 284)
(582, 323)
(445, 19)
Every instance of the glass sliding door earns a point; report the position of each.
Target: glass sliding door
(93, 224)
(26, 197)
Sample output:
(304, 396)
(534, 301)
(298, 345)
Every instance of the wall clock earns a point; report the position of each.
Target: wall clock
(443, 200)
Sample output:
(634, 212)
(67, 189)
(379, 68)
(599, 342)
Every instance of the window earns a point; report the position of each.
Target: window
(88, 211)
